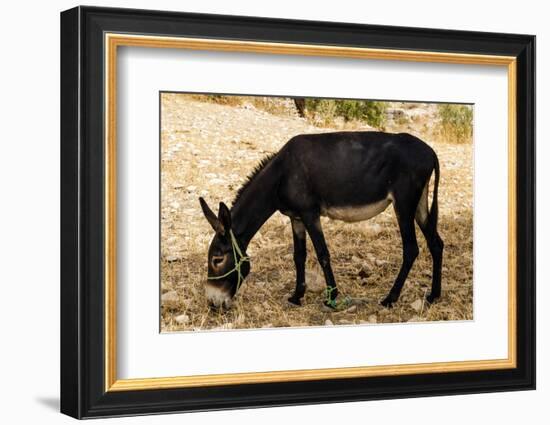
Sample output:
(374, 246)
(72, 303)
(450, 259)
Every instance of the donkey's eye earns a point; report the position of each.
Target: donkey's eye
(217, 261)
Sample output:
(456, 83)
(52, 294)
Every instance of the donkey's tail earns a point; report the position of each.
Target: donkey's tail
(434, 210)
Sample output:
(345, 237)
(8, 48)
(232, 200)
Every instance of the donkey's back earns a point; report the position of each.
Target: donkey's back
(353, 170)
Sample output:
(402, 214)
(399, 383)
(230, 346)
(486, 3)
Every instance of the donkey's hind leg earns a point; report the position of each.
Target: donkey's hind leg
(405, 217)
(428, 224)
(312, 223)
(300, 253)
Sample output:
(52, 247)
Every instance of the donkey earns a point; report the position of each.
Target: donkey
(349, 176)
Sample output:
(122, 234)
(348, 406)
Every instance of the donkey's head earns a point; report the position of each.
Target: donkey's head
(228, 264)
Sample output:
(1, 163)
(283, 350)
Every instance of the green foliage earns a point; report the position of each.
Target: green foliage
(456, 123)
(370, 112)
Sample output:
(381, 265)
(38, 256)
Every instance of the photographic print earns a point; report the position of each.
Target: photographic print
(296, 212)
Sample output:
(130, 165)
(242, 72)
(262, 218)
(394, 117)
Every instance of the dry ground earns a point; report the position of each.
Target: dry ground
(208, 149)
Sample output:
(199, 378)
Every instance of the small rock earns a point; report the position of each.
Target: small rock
(372, 318)
(171, 258)
(328, 322)
(182, 319)
(170, 299)
(380, 262)
(375, 228)
(351, 309)
(315, 282)
(417, 305)
(191, 188)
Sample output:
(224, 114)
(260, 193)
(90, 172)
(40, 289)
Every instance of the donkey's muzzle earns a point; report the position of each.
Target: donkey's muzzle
(218, 297)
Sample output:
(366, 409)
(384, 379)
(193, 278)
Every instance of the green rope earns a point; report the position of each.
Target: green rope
(238, 261)
(332, 303)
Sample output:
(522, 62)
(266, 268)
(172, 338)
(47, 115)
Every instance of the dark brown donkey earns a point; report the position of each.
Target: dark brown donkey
(350, 176)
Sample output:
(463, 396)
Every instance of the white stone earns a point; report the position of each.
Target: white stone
(417, 305)
(182, 319)
(351, 309)
(315, 282)
(169, 299)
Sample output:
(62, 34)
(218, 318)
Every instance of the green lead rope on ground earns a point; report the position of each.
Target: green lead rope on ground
(238, 261)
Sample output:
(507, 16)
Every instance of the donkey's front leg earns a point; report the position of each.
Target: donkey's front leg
(313, 227)
(300, 253)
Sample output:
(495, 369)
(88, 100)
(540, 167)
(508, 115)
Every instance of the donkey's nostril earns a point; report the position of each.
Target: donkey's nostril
(217, 261)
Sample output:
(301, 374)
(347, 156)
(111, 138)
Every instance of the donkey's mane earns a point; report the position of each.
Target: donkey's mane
(259, 167)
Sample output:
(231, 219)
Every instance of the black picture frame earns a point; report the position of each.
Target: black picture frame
(83, 392)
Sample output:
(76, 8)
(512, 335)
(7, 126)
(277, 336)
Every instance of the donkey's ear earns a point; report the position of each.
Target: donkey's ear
(211, 217)
(224, 215)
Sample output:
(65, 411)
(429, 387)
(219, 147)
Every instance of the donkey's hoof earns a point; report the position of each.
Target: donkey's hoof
(431, 298)
(388, 301)
(295, 301)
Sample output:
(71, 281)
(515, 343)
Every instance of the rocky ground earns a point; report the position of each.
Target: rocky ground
(209, 148)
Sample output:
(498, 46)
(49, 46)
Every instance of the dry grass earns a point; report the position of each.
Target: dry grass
(200, 139)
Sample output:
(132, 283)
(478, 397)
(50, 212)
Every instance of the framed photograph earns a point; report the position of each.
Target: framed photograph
(261, 212)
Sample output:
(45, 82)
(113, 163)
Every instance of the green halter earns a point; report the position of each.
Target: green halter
(238, 262)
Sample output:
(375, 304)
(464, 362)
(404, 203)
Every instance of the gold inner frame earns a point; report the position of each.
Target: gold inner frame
(113, 41)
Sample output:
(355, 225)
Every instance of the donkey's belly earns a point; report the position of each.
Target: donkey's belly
(356, 213)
